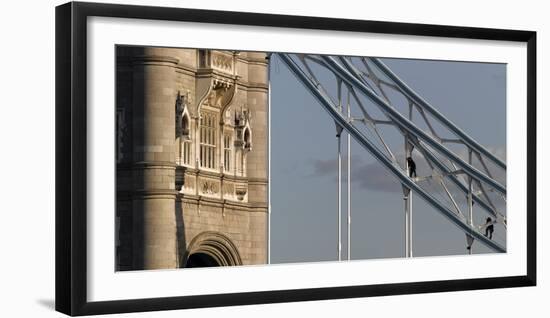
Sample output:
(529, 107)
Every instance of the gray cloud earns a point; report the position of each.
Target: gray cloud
(373, 176)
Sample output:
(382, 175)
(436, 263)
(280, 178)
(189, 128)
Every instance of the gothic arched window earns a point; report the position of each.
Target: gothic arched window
(185, 125)
(185, 140)
(227, 152)
(247, 140)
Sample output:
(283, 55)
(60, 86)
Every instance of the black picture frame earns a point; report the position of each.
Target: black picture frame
(71, 157)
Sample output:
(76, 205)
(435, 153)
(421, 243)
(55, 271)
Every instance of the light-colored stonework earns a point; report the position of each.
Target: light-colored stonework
(191, 158)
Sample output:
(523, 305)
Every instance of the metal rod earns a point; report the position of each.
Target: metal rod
(406, 198)
(349, 181)
(339, 135)
(339, 195)
(406, 227)
(408, 208)
(408, 224)
(470, 202)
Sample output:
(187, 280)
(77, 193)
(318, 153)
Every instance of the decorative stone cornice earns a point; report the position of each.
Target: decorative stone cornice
(206, 173)
(227, 204)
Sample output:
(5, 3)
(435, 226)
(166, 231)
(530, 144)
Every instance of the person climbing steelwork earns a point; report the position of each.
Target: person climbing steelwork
(489, 228)
(412, 167)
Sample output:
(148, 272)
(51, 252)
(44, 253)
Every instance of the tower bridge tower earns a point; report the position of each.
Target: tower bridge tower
(191, 158)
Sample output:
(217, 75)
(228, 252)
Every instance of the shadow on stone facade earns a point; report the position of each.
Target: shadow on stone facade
(180, 234)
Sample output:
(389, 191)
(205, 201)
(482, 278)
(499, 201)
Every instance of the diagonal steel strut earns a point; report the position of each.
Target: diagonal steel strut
(434, 112)
(405, 124)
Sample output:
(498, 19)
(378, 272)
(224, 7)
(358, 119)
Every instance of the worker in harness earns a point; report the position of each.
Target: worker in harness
(412, 167)
(489, 228)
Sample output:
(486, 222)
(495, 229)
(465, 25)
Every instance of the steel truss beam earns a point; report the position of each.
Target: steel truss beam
(418, 138)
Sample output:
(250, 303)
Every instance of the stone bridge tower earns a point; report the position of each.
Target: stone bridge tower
(191, 158)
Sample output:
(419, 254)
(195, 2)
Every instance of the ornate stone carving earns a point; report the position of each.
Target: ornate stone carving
(222, 62)
(182, 115)
(221, 93)
(241, 192)
(209, 187)
(243, 131)
(228, 189)
(216, 83)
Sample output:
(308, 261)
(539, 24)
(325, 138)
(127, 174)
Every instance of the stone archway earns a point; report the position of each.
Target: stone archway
(200, 260)
(209, 249)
